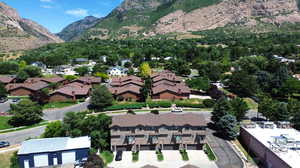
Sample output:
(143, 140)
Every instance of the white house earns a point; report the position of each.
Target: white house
(117, 71)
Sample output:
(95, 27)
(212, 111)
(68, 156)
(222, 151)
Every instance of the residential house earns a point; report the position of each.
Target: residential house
(117, 71)
(25, 89)
(7, 79)
(297, 76)
(47, 80)
(53, 151)
(70, 92)
(39, 65)
(126, 92)
(170, 91)
(122, 81)
(153, 132)
(80, 60)
(88, 80)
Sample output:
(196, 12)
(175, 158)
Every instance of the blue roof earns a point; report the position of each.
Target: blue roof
(54, 144)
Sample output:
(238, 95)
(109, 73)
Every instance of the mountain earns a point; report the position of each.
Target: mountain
(17, 33)
(75, 29)
(144, 18)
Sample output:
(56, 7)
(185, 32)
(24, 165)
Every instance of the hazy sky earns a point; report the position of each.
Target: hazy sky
(56, 14)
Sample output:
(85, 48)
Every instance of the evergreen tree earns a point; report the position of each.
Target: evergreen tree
(228, 126)
(221, 108)
(239, 108)
(101, 97)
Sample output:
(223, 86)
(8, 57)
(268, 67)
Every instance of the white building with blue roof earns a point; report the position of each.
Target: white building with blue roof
(53, 151)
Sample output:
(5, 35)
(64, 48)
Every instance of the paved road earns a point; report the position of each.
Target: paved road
(58, 114)
(19, 136)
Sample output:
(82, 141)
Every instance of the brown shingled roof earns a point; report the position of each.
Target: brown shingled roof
(31, 86)
(116, 83)
(6, 79)
(127, 88)
(168, 76)
(178, 88)
(48, 80)
(89, 79)
(149, 119)
(127, 78)
(73, 90)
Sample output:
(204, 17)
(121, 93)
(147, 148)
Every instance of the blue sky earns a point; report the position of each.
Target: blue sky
(56, 14)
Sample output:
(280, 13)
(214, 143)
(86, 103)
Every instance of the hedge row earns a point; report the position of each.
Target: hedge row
(125, 106)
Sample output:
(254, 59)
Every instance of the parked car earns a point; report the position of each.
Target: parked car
(80, 163)
(119, 155)
(15, 100)
(4, 144)
(3, 100)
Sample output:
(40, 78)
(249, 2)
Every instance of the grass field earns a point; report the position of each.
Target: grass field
(4, 123)
(5, 159)
(58, 105)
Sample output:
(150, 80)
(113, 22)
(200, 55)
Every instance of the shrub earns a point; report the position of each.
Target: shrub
(14, 161)
(135, 156)
(160, 104)
(191, 105)
(107, 156)
(209, 103)
(125, 106)
(130, 111)
(184, 155)
(160, 156)
(154, 112)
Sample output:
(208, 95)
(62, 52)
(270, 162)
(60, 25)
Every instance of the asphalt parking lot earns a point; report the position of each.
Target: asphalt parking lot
(171, 159)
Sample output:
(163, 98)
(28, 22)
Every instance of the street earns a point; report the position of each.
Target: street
(4, 107)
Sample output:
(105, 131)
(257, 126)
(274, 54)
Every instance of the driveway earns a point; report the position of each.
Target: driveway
(4, 107)
(172, 159)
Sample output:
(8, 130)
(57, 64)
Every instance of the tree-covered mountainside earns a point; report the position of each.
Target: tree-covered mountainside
(147, 18)
(75, 29)
(17, 33)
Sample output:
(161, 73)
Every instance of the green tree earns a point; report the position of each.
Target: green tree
(70, 77)
(101, 97)
(83, 70)
(239, 108)
(32, 71)
(293, 106)
(54, 129)
(243, 84)
(221, 108)
(228, 126)
(200, 83)
(103, 76)
(9, 67)
(94, 161)
(282, 113)
(3, 92)
(296, 120)
(145, 70)
(25, 113)
(267, 107)
(22, 76)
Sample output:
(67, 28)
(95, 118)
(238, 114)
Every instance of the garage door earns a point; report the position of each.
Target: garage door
(40, 160)
(171, 147)
(147, 147)
(124, 148)
(68, 157)
(194, 147)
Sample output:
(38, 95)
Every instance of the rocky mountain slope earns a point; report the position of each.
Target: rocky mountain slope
(75, 29)
(143, 18)
(17, 33)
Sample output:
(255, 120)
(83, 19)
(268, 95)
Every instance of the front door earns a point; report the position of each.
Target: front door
(55, 162)
(26, 163)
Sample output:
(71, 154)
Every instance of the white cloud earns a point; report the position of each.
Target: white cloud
(46, 0)
(78, 12)
(47, 6)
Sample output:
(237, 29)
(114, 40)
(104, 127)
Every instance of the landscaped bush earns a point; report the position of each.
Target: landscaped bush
(210, 154)
(209, 103)
(135, 156)
(160, 156)
(154, 112)
(160, 104)
(130, 111)
(107, 156)
(125, 106)
(184, 155)
(191, 105)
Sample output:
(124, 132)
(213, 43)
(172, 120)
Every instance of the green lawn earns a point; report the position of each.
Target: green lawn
(107, 157)
(58, 105)
(160, 156)
(135, 156)
(251, 103)
(210, 154)
(4, 123)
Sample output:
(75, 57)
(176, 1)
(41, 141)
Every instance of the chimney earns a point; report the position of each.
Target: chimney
(73, 94)
(89, 81)
(179, 91)
(116, 91)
